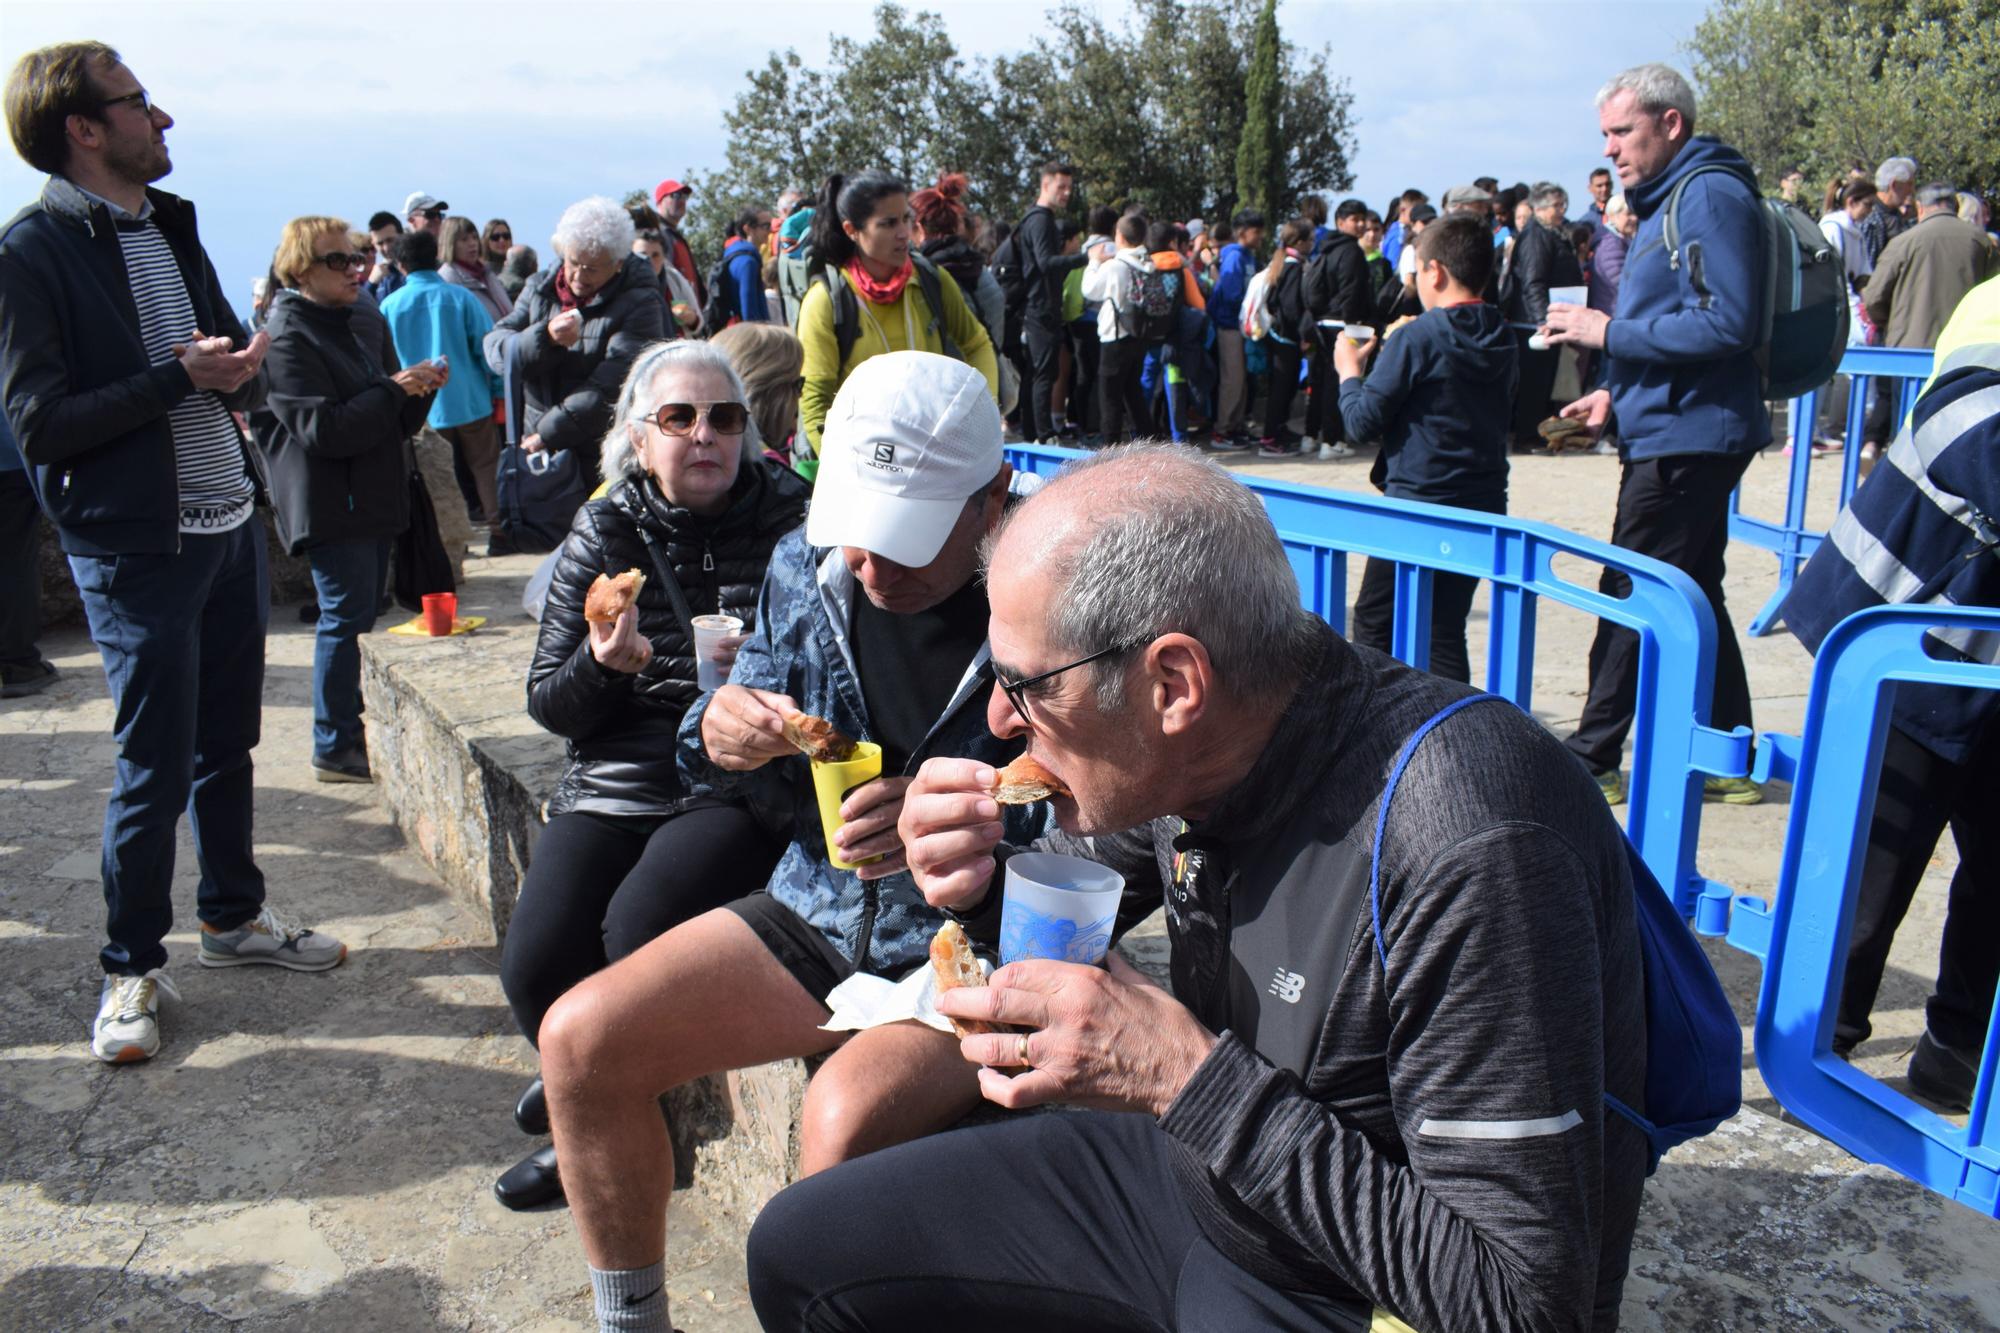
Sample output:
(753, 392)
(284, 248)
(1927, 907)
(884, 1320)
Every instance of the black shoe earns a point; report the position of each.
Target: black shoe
(20, 682)
(530, 1182)
(1944, 1074)
(342, 766)
(1232, 444)
(499, 543)
(531, 1113)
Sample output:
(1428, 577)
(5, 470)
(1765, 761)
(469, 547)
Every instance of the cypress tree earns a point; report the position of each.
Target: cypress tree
(1260, 155)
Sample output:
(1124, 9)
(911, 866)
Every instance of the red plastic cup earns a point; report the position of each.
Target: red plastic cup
(440, 610)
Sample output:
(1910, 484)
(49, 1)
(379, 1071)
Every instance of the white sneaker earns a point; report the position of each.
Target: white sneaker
(270, 939)
(1333, 449)
(127, 1029)
(1307, 444)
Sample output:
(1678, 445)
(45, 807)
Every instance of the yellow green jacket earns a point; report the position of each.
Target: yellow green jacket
(903, 325)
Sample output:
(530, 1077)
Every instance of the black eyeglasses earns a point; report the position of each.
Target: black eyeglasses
(340, 261)
(141, 99)
(680, 418)
(501, 236)
(1017, 690)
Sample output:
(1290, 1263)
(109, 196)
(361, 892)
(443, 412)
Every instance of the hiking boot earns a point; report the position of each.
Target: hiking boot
(269, 939)
(1944, 1074)
(127, 1029)
(20, 682)
(342, 766)
(1612, 784)
(1731, 791)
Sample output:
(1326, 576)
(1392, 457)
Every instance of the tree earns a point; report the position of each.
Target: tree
(1260, 154)
(1798, 83)
(1145, 119)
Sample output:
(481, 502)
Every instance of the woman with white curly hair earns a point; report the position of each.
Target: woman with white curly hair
(627, 854)
(577, 328)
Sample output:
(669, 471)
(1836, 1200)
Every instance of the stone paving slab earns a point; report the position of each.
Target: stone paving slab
(317, 1151)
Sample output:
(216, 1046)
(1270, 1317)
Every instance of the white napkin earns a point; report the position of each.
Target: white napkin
(864, 1001)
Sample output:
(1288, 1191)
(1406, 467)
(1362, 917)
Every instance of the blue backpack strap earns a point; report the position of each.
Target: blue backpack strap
(1382, 810)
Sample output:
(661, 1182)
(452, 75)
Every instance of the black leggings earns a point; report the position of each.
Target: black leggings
(1451, 603)
(602, 886)
(1063, 1223)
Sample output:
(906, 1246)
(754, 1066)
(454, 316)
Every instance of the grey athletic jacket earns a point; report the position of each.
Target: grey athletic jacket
(1430, 1136)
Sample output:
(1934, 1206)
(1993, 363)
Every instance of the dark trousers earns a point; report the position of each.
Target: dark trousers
(1451, 602)
(602, 886)
(1079, 1226)
(475, 461)
(1285, 358)
(1674, 509)
(20, 571)
(1122, 408)
(1044, 342)
(1083, 375)
(1323, 384)
(1919, 795)
(182, 638)
(347, 584)
(1535, 387)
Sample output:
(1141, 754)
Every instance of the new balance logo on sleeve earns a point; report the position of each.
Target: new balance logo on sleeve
(1288, 986)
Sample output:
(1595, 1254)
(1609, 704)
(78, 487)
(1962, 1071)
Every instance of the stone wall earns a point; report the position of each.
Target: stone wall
(291, 581)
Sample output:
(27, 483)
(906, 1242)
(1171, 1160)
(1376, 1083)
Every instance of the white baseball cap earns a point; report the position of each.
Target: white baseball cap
(911, 437)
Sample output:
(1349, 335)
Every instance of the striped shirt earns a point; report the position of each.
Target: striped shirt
(215, 487)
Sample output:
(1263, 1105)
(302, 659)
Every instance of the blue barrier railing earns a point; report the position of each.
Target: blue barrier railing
(1903, 369)
(1802, 937)
(1673, 746)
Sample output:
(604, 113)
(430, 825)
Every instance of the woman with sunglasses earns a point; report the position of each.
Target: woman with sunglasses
(626, 855)
(461, 249)
(332, 436)
(496, 238)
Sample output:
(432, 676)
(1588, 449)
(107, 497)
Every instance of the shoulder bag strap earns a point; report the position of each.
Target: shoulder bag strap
(665, 569)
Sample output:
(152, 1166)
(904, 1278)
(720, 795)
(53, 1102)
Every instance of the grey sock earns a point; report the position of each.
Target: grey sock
(631, 1298)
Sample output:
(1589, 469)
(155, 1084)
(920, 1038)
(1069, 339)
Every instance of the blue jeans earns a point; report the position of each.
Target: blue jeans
(182, 638)
(347, 580)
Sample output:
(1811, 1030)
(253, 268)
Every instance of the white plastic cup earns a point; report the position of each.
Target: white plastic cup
(711, 664)
(1060, 907)
(1569, 296)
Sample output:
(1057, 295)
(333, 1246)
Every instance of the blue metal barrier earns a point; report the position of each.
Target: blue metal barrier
(1906, 368)
(1673, 745)
(1835, 769)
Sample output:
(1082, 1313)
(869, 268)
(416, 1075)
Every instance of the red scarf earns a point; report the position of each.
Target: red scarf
(476, 269)
(880, 293)
(563, 293)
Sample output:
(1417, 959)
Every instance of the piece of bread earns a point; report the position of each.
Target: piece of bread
(1025, 781)
(610, 594)
(818, 739)
(953, 965)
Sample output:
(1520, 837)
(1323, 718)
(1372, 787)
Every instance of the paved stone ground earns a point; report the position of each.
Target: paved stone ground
(317, 1151)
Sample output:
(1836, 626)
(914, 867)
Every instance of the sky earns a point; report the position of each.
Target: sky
(515, 110)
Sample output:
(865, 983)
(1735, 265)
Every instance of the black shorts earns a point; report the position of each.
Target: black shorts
(794, 941)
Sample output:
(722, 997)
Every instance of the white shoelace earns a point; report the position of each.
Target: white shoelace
(278, 928)
(128, 993)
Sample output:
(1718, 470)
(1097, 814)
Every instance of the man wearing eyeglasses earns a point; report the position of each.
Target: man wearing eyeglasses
(873, 617)
(120, 364)
(1356, 1094)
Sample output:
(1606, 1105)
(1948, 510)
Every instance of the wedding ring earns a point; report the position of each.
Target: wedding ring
(1021, 1051)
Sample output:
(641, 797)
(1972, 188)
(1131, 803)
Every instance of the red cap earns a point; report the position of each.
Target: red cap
(665, 188)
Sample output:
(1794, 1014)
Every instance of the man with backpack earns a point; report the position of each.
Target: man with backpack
(1379, 1078)
(1680, 380)
(1123, 284)
(1337, 288)
(736, 284)
(1030, 266)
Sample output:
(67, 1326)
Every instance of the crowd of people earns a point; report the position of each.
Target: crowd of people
(1428, 1115)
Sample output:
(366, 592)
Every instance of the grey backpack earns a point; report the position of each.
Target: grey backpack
(1802, 328)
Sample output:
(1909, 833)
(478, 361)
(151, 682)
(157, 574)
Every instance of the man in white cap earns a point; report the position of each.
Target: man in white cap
(425, 212)
(872, 617)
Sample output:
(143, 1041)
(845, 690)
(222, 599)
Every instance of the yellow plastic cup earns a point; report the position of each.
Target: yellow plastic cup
(832, 782)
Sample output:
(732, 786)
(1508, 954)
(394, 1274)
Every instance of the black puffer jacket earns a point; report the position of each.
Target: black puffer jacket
(572, 391)
(1543, 258)
(333, 429)
(620, 727)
